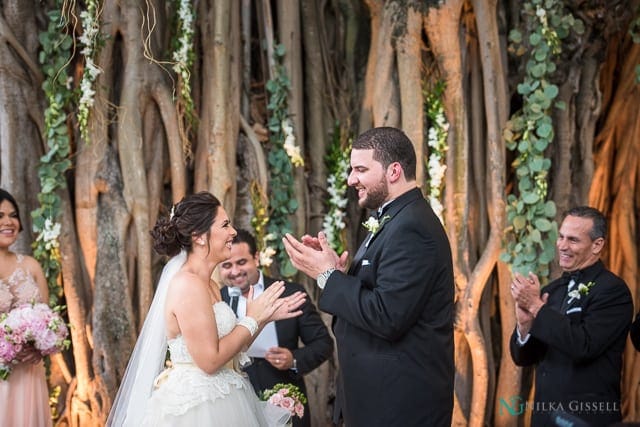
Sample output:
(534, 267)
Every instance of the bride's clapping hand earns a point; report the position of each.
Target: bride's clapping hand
(288, 307)
(269, 306)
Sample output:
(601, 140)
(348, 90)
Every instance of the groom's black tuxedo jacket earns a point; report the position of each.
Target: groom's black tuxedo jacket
(308, 328)
(393, 322)
(577, 349)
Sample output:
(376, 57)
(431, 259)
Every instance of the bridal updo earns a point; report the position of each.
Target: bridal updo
(190, 217)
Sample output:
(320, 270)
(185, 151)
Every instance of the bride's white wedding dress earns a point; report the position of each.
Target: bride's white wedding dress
(184, 395)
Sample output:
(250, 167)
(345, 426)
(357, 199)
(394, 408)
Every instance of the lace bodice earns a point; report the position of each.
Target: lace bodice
(19, 288)
(225, 320)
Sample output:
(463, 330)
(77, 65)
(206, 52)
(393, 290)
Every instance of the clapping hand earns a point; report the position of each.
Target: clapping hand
(269, 306)
(313, 255)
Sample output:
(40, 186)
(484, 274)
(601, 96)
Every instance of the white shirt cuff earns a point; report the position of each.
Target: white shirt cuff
(522, 341)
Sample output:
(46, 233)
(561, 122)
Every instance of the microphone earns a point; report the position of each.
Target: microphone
(234, 296)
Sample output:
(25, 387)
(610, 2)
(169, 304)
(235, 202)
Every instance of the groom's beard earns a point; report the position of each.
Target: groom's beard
(376, 195)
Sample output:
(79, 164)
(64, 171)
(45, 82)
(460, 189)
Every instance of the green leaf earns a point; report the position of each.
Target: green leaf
(544, 130)
(515, 36)
(543, 224)
(534, 39)
(519, 222)
(530, 198)
(551, 91)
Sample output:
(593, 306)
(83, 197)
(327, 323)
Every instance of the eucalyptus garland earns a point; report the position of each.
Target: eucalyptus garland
(437, 142)
(337, 162)
(89, 40)
(532, 230)
(54, 58)
(183, 56)
(282, 203)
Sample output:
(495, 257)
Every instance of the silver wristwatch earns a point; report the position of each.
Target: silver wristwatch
(322, 277)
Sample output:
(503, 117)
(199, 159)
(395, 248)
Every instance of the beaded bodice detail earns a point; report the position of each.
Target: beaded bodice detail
(19, 288)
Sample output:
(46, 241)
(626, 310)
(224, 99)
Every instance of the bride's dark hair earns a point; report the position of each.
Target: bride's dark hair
(191, 216)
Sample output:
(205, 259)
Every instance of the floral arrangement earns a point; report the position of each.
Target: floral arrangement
(267, 252)
(337, 161)
(290, 147)
(582, 289)
(183, 56)
(373, 225)
(36, 325)
(287, 396)
(89, 40)
(437, 142)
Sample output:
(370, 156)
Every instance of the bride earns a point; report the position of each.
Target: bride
(202, 334)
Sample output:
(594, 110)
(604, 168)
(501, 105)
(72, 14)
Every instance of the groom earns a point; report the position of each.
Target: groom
(393, 308)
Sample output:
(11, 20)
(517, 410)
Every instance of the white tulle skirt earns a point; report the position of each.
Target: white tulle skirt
(187, 396)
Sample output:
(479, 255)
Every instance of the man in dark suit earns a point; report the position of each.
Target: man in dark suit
(393, 308)
(277, 357)
(575, 332)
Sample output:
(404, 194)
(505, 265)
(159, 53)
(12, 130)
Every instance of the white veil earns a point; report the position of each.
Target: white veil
(147, 359)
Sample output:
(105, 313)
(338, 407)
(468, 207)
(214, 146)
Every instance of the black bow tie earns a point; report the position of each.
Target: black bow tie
(568, 276)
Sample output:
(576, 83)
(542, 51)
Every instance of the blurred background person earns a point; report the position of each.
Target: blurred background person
(24, 396)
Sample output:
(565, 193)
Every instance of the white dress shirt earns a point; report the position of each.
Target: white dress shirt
(268, 337)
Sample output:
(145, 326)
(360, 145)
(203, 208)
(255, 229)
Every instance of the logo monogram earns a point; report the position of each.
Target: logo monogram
(514, 406)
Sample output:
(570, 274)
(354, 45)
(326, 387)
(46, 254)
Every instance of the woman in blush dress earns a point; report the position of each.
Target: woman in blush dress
(202, 333)
(24, 396)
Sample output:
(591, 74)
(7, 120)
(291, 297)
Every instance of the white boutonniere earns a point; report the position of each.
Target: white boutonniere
(373, 225)
(582, 289)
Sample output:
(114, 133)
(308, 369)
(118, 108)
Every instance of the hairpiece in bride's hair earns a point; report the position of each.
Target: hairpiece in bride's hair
(173, 209)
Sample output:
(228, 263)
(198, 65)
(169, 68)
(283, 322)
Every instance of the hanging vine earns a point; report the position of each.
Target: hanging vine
(437, 142)
(283, 155)
(54, 58)
(532, 230)
(337, 161)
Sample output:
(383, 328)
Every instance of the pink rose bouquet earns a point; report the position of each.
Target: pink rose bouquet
(37, 325)
(287, 396)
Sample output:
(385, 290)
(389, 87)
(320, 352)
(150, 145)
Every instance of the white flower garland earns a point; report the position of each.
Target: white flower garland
(437, 141)
(333, 222)
(267, 252)
(89, 42)
(49, 234)
(293, 151)
(183, 55)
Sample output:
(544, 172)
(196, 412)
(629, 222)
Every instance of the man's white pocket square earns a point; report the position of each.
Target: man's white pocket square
(365, 262)
(574, 310)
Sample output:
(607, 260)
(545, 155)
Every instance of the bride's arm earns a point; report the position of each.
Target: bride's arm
(190, 303)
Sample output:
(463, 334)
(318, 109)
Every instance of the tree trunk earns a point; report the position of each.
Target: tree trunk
(409, 57)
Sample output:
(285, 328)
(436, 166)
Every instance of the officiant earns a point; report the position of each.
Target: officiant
(276, 353)
(574, 329)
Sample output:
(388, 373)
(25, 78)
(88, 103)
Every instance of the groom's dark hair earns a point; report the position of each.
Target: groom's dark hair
(389, 145)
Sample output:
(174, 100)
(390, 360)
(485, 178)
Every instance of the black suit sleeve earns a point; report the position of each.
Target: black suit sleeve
(586, 335)
(528, 353)
(634, 332)
(314, 334)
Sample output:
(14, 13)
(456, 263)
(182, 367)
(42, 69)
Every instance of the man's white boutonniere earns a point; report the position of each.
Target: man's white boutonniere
(582, 289)
(373, 225)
